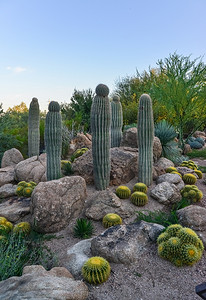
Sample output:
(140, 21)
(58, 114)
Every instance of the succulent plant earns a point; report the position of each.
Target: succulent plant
(139, 198)
(116, 122)
(199, 174)
(19, 190)
(83, 228)
(78, 153)
(200, 140)
(145, 136)
(3, 239)
(171, 169)
(101, 137)
(189, 164)
(111, 220)
(174, 172)
(53, 141)
(180, 245)
(27, 191)
(4, 229)
(9, 225)
(66, 167)
(33, 128)
(96, 270)
(3, 220)
(189, 178)
(22, 227)
(192, 193)
(140, 187)
(22, 183)
(123, 192)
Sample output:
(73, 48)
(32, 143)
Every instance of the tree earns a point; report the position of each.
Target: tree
(182, 91)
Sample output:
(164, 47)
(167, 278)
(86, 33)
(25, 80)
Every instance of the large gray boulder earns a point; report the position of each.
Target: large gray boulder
(80, 141)
(125, 243)
(104, 202)
(171, 178)
(166, 193)
(77, 256)
(164, 163)
(123, 166)
(31, 169)
(11, 158)
(54, 203)
(7, 190)
(15, 210)
(193, 216)
(39, 284)
(7, 175)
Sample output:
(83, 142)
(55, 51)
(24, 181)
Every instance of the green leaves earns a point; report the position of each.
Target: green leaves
(83, 228)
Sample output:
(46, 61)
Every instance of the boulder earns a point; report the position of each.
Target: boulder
(163, 163)
(80, 141)
(171, 178)
(166, 193)
(54, 203)
(193, 216)
(31, 169)
(77, 256)
(37, 283)
(7, 175)
(16, 209)
(129, 138)
(123, 165)
(7, 190)
(125, 243)
(201, 134)
(11, 158)
(157, 149)
(187, 149)
(185, 170)
(104, 202)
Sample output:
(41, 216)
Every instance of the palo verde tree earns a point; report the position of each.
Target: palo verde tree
(182, 91)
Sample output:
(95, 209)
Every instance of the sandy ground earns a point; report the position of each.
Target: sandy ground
(150, 278)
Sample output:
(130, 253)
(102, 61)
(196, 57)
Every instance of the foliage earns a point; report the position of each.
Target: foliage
(20, 250)
(7, 142)
(197, 153)
(167, 133)
(66, 167)
(83, 228)
(130, 126)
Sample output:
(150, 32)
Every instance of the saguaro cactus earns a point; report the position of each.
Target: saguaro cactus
(117, 122)
(53, 141)
(33, 128)
(145, 134)
(101, 137)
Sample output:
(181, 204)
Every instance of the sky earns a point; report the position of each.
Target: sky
(48, 48)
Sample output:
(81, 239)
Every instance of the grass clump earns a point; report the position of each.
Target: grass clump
(83, 228)
(197, 153)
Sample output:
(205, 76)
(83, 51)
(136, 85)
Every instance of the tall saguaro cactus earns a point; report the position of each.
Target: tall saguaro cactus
(53, 141)
(145, 134)
(33, 128)
(117, 122)
(101, 137)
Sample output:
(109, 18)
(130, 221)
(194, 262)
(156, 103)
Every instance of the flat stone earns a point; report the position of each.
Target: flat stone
(166, 193)
(15, 210)
(7, 175)
(7, 190)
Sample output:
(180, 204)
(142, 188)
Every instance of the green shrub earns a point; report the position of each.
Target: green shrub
(83, 228)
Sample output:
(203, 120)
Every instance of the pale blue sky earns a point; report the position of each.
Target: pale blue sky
(50, 47)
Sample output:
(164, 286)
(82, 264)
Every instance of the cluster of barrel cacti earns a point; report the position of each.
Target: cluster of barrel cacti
(66, 167)
(180, 245)
(111, 219)
(189, 164)
(78, 153)
(25, 189)
(7, 227)
(139, 195)
(96, 270)
(192, 193)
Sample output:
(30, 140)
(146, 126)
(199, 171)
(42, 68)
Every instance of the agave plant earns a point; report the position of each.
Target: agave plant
(83, 228)
(166, 133)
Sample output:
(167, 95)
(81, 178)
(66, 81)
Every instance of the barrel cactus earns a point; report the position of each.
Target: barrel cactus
(140, 187)
(53, 141)
(33, 128)
(116, 122)
(123, 192)
(171, 169)
(101, 137)
(189, 164)
(22, 227)
(96, 270)
(139, 198)
(145, 134)
(199, 174)
(111, 220)
(189, 179)
(180, 245)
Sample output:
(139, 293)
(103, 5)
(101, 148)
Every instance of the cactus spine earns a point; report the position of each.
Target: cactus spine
(145, 134)
(33, 128)
(117, 122)
(53, 141)
(101, 137)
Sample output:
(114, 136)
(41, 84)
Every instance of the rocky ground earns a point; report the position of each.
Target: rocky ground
(148, 278)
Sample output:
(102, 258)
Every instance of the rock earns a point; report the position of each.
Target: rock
(125, 243)
(185, 170)
(31, 169)
(163, 163)
(7, 190)
(201, 134)
(166, 193)
(15, 210)
(193, 216)
(77, 256)
(123, 166)
(54, 203)
(187, 149)
(104, 202)
(11, 158)
(80, 141)
(171, 178)
(129, 138)
(157, 149)
(39, 284)
(7, 175)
